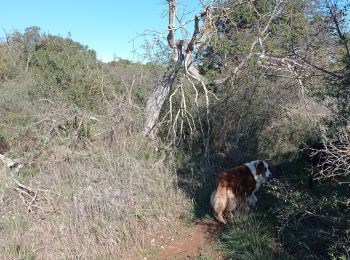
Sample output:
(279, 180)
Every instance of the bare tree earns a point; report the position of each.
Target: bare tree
(181, 57)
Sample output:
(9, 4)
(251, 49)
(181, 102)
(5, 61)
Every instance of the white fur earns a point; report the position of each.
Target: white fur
(252, 199)
(258, 178)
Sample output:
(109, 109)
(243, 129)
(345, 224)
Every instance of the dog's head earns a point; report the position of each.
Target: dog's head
(260, 170)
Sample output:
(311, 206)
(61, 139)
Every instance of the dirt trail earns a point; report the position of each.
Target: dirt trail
(192, 243)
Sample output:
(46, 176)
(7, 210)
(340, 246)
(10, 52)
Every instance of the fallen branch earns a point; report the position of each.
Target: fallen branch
(25, 191)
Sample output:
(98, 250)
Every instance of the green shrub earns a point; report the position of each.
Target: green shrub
(62, 65)
(7, 69)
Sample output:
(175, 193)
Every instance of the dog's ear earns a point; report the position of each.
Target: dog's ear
(260, 168)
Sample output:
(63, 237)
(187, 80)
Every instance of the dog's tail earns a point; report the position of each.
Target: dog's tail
(218, 198)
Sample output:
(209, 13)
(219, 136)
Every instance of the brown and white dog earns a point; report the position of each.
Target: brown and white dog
(236, 188)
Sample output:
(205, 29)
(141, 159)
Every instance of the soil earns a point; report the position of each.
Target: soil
(193, 243)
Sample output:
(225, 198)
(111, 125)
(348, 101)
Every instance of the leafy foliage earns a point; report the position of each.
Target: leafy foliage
(63, 65)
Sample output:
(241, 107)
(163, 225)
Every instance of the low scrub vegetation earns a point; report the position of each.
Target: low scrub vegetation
(84, 181)
(100, 187)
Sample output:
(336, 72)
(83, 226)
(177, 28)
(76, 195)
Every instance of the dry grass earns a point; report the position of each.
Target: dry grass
(102, 189)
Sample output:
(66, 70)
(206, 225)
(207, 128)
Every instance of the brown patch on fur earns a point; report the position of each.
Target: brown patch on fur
(240, 180)
(233, 187)
(260, 168)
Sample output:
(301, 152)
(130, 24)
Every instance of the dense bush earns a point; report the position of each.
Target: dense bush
(7, 68)
(62, 65)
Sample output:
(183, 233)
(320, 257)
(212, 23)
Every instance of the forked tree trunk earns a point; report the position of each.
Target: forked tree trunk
(182, 51)
(162, 88)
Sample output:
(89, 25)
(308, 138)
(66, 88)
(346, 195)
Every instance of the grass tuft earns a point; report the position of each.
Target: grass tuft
(250, 238)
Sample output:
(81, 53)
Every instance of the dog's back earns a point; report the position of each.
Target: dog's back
(231, 184)
(239, 179)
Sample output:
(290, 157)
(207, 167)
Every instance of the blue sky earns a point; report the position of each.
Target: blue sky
(106, 26)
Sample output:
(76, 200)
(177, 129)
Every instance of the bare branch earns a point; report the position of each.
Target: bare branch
(171, 27)
(196, 31)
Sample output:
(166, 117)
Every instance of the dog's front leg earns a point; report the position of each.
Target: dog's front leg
(243, 204)
(252, 200)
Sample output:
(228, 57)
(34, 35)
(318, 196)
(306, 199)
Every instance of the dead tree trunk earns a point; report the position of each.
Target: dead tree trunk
(156, 100)
(182, 56)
